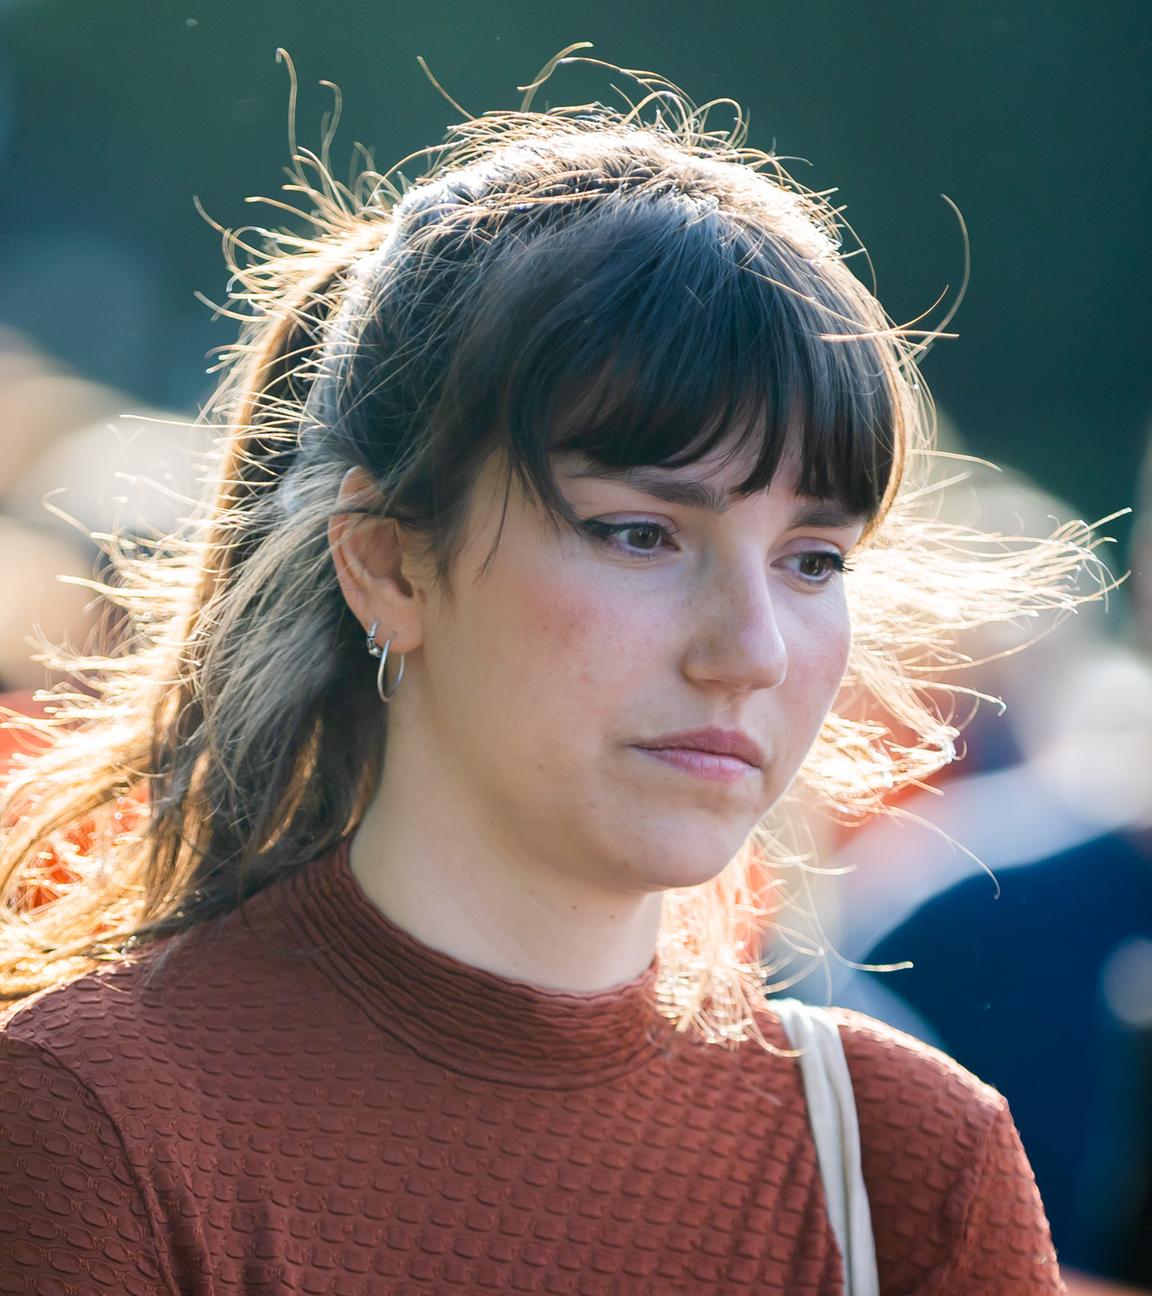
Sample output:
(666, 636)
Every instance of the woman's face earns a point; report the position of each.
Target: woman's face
(544, 681)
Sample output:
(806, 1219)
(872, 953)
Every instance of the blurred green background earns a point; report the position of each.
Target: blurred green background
(1032, 117)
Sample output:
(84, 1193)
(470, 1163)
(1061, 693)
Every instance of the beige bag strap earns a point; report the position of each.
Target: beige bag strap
(836, 1133)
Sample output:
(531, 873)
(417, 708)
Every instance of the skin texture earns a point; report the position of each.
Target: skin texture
(516, 827)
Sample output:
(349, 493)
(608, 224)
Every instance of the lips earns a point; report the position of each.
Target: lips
(718, 742)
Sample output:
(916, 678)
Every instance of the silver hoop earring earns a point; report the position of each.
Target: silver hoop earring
(376, 651)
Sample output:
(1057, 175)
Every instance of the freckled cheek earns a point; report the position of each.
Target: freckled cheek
(827, 681)
(582, 631)
(839, 658)
(811, 689)
(818, 658)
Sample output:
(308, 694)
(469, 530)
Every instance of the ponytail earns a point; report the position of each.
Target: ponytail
(201, 765)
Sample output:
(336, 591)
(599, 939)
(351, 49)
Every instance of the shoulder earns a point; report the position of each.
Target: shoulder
(925, 1120)
(953, 1197)
(104, 1029)
(922, 1116)
(74, 1198)
(903, 1085)
(140, 1030)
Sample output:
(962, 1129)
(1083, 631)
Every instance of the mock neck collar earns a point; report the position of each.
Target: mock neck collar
(466, 1018)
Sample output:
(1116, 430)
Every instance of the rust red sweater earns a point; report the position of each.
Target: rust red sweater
(312, 1101)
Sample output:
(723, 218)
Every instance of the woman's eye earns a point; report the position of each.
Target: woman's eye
(818, 566)
(646, 536)
(644, 540)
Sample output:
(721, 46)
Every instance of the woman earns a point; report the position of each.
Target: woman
(432, 960)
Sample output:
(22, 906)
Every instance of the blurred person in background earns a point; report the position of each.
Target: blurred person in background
(40, 405)
(73, 465)
(428, 961)
(1041, 979)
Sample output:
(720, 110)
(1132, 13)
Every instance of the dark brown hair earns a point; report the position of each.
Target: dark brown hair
(643, 291)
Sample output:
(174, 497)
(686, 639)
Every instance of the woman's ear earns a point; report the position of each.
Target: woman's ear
(369, 553)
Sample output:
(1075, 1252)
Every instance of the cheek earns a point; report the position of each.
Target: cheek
(818, 658)
(562, 654)
(579, 628)
(840, 650)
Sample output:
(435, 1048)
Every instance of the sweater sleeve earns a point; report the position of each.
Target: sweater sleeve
(1005, 1247)
(73, 1221)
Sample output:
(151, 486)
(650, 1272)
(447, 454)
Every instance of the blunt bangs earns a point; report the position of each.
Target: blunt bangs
(653, 333)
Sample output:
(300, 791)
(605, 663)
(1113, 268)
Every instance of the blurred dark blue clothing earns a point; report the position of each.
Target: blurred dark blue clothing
(1014, 989)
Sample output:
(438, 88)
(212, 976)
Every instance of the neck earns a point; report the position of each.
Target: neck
(463, 885)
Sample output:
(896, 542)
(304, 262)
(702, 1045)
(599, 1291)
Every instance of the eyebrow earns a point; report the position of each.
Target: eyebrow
(697, 494)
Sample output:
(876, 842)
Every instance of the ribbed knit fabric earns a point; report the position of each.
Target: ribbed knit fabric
(312, 1101)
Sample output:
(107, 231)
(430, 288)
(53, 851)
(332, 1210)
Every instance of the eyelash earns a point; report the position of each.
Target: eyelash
(604, 531)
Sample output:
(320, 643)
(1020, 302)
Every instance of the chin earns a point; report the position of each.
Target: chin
(675, 863)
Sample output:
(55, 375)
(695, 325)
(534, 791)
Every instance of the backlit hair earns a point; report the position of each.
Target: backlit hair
(630, 283)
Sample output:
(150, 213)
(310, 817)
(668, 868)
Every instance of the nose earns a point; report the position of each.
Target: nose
(738, 640)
